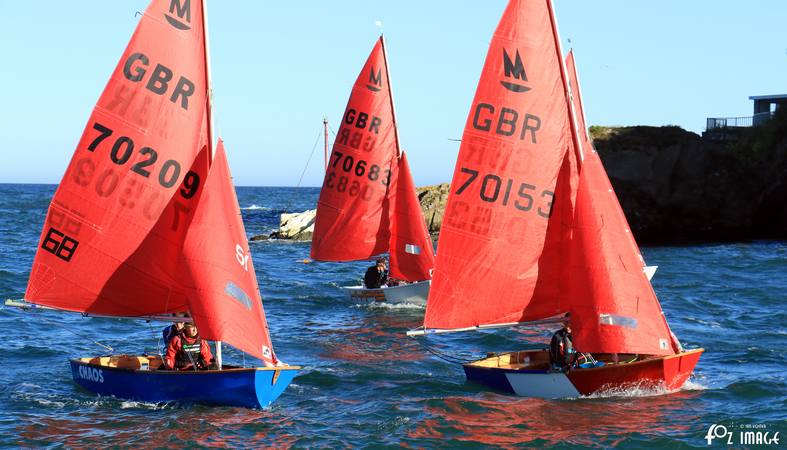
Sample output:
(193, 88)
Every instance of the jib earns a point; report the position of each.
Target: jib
(136, 67)
(507, 121)
(89, 373)
(361, 120)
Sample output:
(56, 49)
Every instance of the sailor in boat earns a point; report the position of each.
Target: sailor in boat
(562, 354)
(188, 351)
(176, 329)
(377, 275)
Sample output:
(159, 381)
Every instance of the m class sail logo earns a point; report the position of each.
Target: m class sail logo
(375, 80)
(514, 70)
(183, 10)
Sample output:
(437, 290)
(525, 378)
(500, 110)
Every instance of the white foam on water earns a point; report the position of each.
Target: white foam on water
(255, 207)
(632, 390)
(389, 306)
(129, 404)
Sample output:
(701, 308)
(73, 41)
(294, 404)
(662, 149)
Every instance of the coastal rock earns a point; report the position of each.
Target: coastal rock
(293, 226)
(674, 185)
(433, 199)
(678, 187)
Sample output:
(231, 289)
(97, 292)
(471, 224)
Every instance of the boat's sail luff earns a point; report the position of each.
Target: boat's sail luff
(412, 254)
(518, 130)
(613, 306)
(222, 290)
(131, 165)
(353, 212)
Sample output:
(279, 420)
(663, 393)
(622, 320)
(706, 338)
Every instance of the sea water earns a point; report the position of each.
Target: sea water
(365, 384)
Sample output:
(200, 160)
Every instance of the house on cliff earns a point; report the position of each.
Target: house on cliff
(726, 128)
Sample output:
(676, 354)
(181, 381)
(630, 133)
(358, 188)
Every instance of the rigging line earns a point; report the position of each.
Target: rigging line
(51, 322)
(442, 355)
(316, 141)
(331, 130)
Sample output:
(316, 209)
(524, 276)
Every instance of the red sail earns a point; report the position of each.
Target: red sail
(412, 254)
(504, 185)
(224, 298)
(353, 212)
(116, 224)
(612, 303)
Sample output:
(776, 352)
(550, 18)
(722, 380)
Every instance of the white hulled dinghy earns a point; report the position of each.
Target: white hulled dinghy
(368, 205)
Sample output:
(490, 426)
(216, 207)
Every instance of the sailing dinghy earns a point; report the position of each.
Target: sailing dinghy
(368, 205)
(145, 224)
(532, 213)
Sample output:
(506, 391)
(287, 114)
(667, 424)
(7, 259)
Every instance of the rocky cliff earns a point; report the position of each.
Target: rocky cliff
(678, 187)
(675, 186)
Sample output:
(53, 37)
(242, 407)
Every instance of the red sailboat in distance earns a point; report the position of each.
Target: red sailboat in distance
(532, 213)
(368, 205)
(145, 224)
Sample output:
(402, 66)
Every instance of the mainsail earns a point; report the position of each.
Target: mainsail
(126, 198)
(505, 190)
(354, 209)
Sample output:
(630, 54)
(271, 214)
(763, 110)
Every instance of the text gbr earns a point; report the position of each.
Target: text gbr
(506, 121)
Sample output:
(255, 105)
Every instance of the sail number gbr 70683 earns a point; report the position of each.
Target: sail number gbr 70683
(361, 169)
(495, 189)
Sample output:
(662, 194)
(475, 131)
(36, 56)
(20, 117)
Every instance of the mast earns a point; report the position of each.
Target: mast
(566, 85)
(390, 91)
(579, 96)
(325, 129)
(211, 147)
(209, 112)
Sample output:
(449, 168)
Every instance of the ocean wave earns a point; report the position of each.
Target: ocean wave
(255, 207)
(391, 306)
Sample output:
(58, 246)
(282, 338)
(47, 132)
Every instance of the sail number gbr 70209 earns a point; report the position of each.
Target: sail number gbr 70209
(495, 189)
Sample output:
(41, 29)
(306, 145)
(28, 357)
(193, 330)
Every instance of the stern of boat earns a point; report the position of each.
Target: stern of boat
(270, 382)
(528, 374)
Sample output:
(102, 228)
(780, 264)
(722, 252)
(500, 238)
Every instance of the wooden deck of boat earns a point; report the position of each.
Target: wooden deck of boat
(539, 360)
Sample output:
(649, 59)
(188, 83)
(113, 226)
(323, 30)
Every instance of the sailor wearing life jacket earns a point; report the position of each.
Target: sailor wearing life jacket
(561, 350)
(187, 351)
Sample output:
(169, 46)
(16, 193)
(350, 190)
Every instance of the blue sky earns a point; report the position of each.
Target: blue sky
(279, 67)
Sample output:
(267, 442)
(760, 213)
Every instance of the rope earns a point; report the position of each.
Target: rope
(111, 350)
(442, 355)
(316, 141)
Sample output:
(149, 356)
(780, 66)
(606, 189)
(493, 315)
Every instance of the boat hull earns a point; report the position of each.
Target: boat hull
(255, 387)
(526, 374)
(412, 293)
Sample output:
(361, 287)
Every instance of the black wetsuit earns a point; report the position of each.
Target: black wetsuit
(375, 278)
(561, 349)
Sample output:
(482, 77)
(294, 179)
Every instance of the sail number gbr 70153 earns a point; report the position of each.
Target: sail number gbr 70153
(495, 189)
